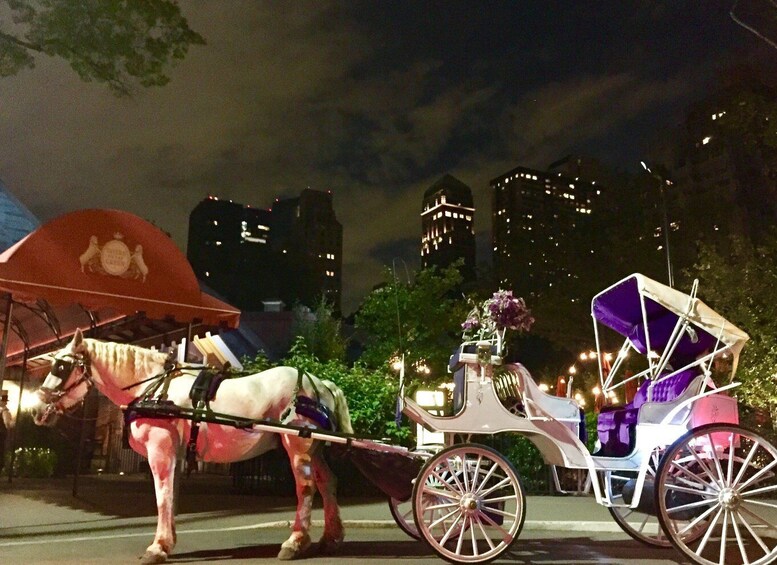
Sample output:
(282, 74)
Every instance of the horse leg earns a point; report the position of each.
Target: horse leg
(326, 481)
(302, 468)
(160, 446)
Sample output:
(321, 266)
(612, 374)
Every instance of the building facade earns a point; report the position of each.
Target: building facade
(723, 168)
(292, 252)
(448, 226)
(538, 218)
(307, 239)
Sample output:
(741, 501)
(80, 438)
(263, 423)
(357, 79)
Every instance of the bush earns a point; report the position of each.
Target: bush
(36, 462)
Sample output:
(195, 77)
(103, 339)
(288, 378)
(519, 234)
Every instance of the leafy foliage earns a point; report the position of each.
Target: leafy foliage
(421, 319)
(38, 462)
(371, 394)
(321, 331)
(116, 42)
(738, 281)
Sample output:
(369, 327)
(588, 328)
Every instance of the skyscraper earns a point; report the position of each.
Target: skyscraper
(248, 255)
(723, 167)
(308, 240)
(228, 247)
(537, 219)
(447, 225)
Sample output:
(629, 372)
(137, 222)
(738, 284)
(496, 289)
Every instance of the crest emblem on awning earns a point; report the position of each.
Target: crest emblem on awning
(114, 258)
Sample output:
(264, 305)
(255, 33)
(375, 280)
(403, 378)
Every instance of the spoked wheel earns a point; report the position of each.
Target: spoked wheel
(402, 510)
(641, 523)
(468, 503)
(716, 495)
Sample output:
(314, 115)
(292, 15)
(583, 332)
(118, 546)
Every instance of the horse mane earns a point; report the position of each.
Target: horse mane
(123, 359)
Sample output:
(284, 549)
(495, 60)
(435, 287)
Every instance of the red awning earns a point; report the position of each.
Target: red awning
(109, 259)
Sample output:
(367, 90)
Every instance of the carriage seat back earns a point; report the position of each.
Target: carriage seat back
(666, 389)
(616, 426)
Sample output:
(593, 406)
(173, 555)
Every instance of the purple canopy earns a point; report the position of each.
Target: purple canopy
(619, 307)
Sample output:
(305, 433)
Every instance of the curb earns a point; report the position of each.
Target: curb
(567, 525)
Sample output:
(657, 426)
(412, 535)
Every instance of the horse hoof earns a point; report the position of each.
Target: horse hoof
(149, 558)
(328, 546)
(294, 549)
(287, 554)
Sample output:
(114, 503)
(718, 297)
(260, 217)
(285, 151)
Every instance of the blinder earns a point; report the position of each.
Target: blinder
(61, 369)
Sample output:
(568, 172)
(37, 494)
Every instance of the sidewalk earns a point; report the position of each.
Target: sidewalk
(33, 507)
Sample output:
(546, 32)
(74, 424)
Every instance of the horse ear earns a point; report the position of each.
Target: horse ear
(78, 340)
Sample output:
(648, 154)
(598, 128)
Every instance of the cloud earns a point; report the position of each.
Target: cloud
(583, 110)
(293, 95)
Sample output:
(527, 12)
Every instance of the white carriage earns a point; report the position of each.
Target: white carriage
(674, 467)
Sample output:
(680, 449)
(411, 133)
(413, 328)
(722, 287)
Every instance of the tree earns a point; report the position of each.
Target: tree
(371, 394)
(321, 331)
(421, 319)
(117, 42)
(739, 283)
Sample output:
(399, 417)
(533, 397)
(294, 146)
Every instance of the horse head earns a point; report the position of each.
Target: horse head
(67, 383)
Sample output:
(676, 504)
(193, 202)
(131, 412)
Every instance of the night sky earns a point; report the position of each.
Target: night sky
(372, 100)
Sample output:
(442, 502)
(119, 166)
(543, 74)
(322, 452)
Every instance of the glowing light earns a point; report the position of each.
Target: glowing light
(28, 398)
(583, 356)
(544, 387)
(572, 370)
(596, 390)
(608, 356)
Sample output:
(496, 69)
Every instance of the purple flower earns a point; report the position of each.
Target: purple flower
(471, 324)
(508, 312)
(501, 312)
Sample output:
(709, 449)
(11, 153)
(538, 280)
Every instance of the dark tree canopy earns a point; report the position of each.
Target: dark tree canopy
(121, 43)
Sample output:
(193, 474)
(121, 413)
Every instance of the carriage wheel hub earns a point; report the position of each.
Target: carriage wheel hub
(470, 504)
(729, 498)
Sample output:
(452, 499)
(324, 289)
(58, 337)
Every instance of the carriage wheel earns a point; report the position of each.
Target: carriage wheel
(402, 510)
(469, 504)
(642, 526)
(716, 496)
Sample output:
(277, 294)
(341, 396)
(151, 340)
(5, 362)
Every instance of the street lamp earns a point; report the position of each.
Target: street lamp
(661, 183)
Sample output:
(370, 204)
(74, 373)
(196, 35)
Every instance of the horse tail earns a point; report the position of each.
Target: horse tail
(341, 413)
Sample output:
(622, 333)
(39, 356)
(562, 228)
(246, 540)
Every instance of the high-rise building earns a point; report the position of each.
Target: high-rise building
(248, 255)
(229, 249)
(16, 221)
(447, 225)
(538, 217)
(724, 172)
(308, 239)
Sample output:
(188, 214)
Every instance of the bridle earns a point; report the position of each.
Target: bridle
(61, 370)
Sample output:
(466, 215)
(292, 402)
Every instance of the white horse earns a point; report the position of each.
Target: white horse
(118, 370)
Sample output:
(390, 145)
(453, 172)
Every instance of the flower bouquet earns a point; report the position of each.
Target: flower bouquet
(490, 320)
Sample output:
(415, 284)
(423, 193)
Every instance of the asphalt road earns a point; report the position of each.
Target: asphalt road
(112, 521)
(215, 541)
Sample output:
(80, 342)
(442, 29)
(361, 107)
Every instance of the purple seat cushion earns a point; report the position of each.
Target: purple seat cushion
(615, 426)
